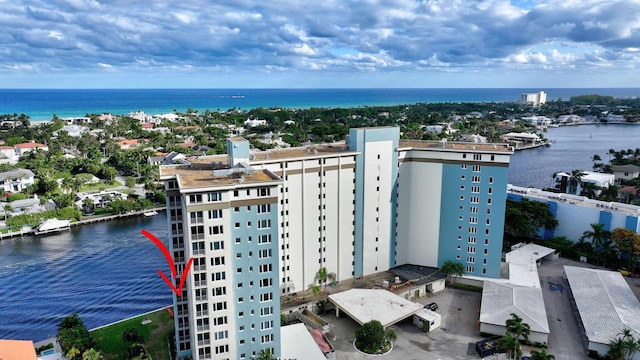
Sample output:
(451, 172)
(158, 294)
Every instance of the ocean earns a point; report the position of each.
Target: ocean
(40, 104)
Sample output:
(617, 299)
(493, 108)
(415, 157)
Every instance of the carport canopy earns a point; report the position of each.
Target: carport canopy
(364, 305)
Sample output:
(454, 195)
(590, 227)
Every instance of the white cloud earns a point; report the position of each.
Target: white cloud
(281, 36)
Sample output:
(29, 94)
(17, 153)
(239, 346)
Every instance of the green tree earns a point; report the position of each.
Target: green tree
(7, 209)
(265, 354)
(72, 333)
(92, 354)
(132, 336)
(598, 236)
(130, 182)
(541, 355)
(452, 268)
(525, 218)
(516, 331)
(371, 338)
(624, 347)
(628, 243)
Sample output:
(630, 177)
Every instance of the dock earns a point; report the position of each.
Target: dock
(90, 220)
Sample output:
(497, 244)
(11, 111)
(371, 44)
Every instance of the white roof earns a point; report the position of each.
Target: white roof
(296, 343)
(528, 253)
(605, 302)
(500, 300)
(364, 305)
(428, 315)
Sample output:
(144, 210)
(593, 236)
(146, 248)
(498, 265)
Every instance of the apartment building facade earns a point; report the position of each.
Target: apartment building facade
(355, 208)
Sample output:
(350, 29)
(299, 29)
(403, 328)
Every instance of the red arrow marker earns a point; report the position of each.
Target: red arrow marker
(167, 255)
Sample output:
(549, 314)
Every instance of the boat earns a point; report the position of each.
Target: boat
(52, 225)
(150, 213)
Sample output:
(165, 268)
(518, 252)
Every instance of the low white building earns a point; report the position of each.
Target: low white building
(625, 172)
(255, 122)
(16, 180)
(432, 319)
(100, 199)
(606, 306)
(601, 180)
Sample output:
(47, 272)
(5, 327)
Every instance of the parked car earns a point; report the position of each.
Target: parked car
(431, 306)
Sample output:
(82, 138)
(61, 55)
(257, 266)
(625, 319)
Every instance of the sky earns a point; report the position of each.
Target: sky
(319, 43)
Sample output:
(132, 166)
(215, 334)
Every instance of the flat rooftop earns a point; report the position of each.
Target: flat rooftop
(192, 177)
(364, 305)
(297, 343)
(626, 209)
(450, 145)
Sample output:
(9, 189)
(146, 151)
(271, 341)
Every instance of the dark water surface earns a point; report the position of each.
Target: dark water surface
(105, 272)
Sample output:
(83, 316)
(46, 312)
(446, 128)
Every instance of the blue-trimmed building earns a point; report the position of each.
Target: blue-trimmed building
(261, 224)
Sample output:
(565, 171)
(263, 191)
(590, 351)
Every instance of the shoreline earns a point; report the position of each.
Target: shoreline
(99, 218)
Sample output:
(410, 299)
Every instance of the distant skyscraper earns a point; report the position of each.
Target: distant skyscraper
(261, 224)
(535, 99)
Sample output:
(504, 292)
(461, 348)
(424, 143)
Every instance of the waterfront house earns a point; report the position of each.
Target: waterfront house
(129, 144)
(16, 180)
(17, 350)
(600, 180)
(100, 199)
(522, 140)
(27, 147)
(625, 172)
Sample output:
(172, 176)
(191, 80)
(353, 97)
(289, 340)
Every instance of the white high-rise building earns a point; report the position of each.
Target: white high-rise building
(534, 99)
(261, 224)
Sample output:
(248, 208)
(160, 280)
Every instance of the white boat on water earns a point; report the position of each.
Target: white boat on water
(150, 213)
(52, 225)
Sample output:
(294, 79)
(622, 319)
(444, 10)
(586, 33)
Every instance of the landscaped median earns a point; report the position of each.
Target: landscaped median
(156, 328)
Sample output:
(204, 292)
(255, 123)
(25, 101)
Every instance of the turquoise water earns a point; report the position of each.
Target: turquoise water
(43, 104)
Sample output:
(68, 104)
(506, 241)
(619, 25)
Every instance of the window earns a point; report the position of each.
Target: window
(195, 199)
(473, 220)
(471, 249)
(472, 239)
(463, 166)
(471, 259)
(266, 325)
(476, 168)
(214, 196)
(264, 224)
(266, 297)
(218, 276)
(264, 191)
(264, 208)
(474, 200)
(475, 189)
(475, 179)
(473, 209)
(470, 268)
(197, 232)
(489, 201)
(264, 239)
(264, 254)
(265, 311)
(490, 180)
(477, 156)
(265, 268)
(215, 214)
(217, 245)
(216, 261)
(215, 230)
(472, 230)
(266, 282)
(266, 338)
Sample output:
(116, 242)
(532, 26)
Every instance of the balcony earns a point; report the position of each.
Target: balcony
(197, 236)
(197, 220)
(198, 252)
(201, 298)
(202, 328)
(200, 267)
(176, 218)
(204, 342)
(202, 313)
(200, 283)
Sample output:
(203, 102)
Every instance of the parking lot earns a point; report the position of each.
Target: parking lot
(460, 329)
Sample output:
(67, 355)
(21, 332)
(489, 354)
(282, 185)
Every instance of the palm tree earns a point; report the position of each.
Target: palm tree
(516, 330)
(574, 181)
(541, 355)
(7, 209)
(598, 236)
(92, 354)
(72, 353)
(322, 276)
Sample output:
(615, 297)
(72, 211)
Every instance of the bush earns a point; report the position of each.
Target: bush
(16, 196)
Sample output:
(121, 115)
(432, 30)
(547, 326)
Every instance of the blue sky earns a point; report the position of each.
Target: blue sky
(319, 44)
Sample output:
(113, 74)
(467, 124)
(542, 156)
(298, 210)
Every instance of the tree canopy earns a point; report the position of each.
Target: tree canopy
(525, 218)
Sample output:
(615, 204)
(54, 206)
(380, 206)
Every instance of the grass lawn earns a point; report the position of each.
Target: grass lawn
(99, 186)
(155, 336)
